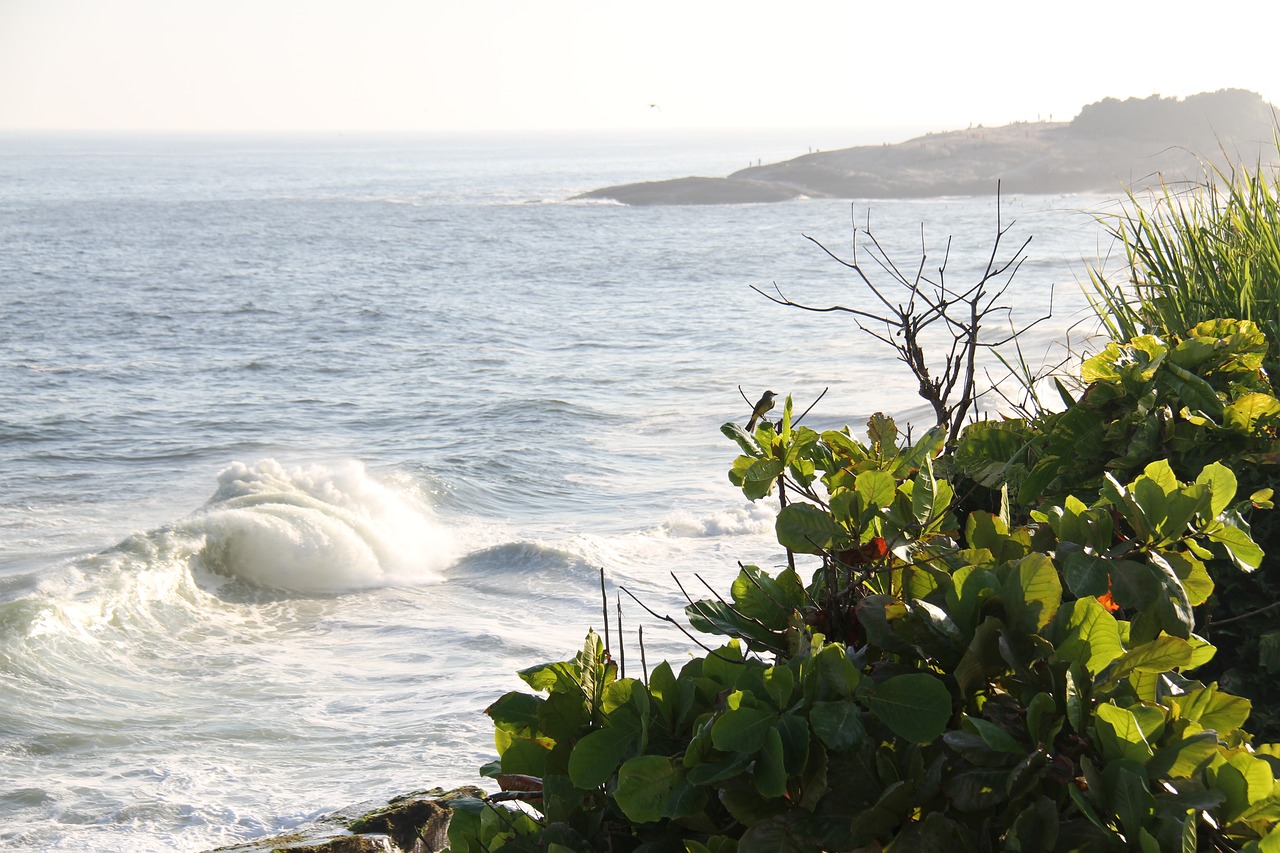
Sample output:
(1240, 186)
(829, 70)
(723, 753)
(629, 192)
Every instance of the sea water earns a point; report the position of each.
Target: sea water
(308, 444)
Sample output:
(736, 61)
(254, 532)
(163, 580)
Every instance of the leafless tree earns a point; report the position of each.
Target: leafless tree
(916, 302)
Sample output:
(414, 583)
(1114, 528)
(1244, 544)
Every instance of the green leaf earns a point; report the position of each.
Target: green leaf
(525, 757)
(762, 597)
(770, 772)
(779, 682)
(1035, 829)
(794, 730)
(516, 712)
(626, 693)
(1160, 655)
(1192, 390)
(644, 785)
(1191, 572)
(805, 528)
(745, 440)
(981, 660)
(970, 586)
(596, 756)
(724, 768)
(1245, 780)
(1034, 592)
(1086, 574)
(1251, 412)
(1130, 799)
(877, 488)
(916, 707)
(1121, 734)
(1243, 551)
(977, 790)
(1181, 759)
(1222, 486)
(773, 835)
(1213, 709)
(994, 736)
(838, 724)
(714, 617)
(742, 729)
(1091, 635)
(830, 673)
(1134, 585)
(562, 677)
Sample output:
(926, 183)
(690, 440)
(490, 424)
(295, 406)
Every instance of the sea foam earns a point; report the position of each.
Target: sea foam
(318, 529)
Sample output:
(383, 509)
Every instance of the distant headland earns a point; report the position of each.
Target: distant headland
(1110, 145)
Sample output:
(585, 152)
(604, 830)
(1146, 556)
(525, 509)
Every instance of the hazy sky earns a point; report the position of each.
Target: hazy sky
(424, 65)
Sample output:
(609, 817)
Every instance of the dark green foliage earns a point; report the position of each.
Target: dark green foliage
(1194, 401)
(988, 687)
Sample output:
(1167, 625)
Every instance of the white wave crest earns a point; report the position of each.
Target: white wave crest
(318, 529)
(742, 521)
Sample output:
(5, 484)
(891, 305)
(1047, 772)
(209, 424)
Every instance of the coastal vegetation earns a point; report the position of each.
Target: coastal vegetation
(1046, 632)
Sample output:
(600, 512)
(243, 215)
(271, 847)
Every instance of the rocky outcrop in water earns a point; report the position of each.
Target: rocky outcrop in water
(413, 823)
(1110, 145)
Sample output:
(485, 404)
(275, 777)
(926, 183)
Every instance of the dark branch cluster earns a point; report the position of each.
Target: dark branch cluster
(914, 303)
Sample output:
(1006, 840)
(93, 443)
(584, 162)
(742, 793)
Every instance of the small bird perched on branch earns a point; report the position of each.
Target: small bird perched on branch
(765, 404)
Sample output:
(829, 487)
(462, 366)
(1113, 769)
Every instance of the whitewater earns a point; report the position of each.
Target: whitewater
(307, 444)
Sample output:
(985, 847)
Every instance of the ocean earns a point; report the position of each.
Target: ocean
(308, 444)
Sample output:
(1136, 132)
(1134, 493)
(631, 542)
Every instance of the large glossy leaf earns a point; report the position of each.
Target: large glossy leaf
(1033, 592)
(745, 440)
(1243, 551)
(1194, 391)
(1121, 734)
(1129, 797)
(1246, 780)
(1191, 572)
(837, 724)
(553, 677)
(517, 712)
(645, 783)
(1086, 574)
(805, 528)
(770, 772)
(1160, 655)
(716, 617)
(1134, 585)
(976, 790)
(742, 729)
(526, 757)
(597, 756)
(761, 597)
(916, 707)
(1213, 709)
(1250, 412)
(877, 488)
(727, 767)
(1182, 758)
(779, 682)
(982, 659)
(794, 730)
(970, 586)
(1222, 485)
(1091, 635)
(773, 835)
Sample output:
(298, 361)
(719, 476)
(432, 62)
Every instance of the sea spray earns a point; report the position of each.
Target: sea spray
(318, 529)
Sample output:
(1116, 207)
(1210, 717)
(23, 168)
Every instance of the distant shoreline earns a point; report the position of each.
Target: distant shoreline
(1109, 146)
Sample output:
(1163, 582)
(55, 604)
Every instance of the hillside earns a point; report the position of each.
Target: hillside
(1111, 144)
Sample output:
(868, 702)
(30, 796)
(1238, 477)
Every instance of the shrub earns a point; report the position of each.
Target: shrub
(1028, 688)
(1209, 251)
